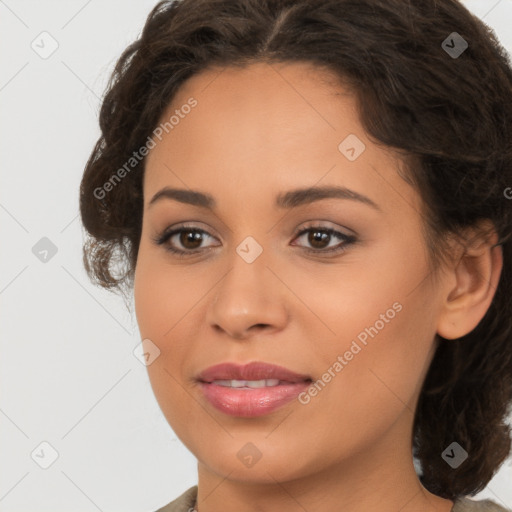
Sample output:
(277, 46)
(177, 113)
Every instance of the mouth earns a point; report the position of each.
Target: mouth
(251, 390)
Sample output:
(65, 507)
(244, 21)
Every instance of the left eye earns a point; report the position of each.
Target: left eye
(191, 238)
(317, 236)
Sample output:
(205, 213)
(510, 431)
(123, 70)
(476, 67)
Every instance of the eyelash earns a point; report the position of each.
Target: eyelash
(166, 235)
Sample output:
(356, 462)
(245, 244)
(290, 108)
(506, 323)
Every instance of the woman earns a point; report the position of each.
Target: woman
(311, 203)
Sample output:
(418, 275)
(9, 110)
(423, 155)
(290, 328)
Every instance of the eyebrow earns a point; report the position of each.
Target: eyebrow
(288, 200)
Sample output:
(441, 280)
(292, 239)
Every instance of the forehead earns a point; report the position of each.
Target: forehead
(264, 126)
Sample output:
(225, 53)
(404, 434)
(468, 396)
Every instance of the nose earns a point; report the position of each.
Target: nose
(249, 299)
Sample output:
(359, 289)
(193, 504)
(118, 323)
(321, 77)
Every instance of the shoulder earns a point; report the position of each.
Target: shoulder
(465, 504)
(183, 503)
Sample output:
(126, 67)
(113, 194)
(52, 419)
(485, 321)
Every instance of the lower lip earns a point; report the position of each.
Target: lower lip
(251, 402)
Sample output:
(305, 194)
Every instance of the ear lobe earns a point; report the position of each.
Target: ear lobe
(477, 275)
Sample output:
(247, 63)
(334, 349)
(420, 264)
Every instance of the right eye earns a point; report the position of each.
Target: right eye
(189, 238)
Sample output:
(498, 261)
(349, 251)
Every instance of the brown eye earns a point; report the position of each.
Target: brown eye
(190, 239)
(319, 239)
(183, 241)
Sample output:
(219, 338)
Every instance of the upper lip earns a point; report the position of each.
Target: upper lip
(256, 370)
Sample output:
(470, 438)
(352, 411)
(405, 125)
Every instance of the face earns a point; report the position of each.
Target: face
(331, 286)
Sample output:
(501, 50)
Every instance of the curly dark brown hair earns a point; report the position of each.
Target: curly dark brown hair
(449, 115)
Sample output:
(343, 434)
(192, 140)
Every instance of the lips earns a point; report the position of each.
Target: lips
(255, 371)
(252, 390)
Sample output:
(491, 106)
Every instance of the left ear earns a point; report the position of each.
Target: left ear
(473, 279)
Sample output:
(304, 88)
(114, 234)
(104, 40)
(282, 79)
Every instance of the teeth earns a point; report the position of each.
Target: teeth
(247, 383)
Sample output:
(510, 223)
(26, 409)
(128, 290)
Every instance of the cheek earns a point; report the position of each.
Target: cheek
(381, 330)
(169, 300)
(371, 388)
(163, 293)
(161, 305)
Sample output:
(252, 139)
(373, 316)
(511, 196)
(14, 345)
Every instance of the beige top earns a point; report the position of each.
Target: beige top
(185, 503)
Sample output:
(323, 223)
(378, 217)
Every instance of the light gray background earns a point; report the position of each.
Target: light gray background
(68, 373)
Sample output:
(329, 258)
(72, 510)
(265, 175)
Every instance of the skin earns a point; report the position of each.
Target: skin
(255, 133)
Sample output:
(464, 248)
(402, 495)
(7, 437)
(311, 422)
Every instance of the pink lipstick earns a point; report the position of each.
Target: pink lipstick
(250, 390)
